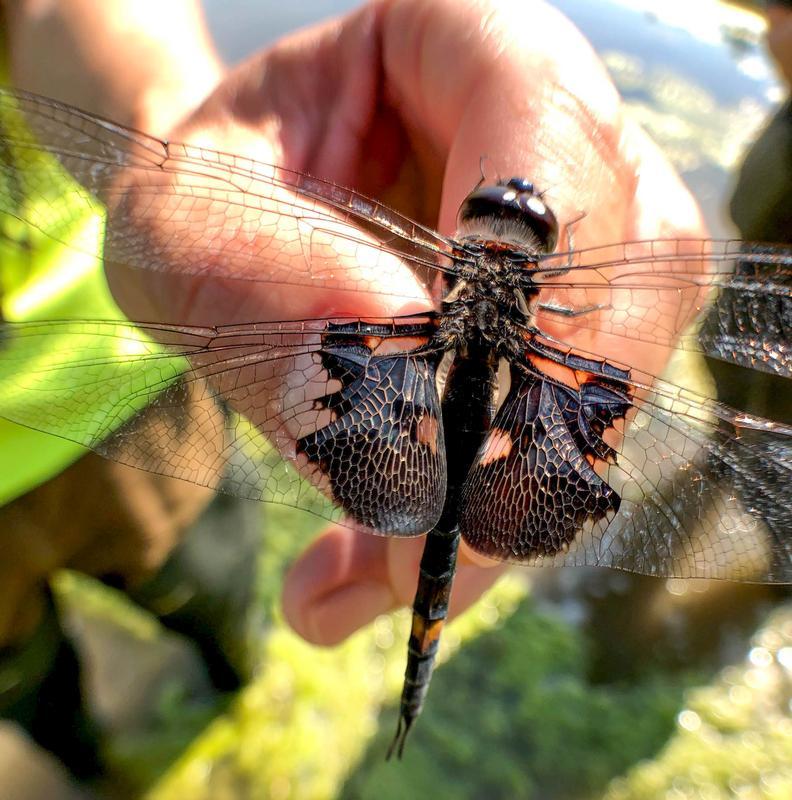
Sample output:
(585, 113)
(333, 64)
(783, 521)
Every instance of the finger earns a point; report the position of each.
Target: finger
(470, 582)
(308, 99)
(346, 578)
(227, 238)
(474, 573)
(206, 246)
(664, 206)
(779, 37)
(553, 120)
(339, 584)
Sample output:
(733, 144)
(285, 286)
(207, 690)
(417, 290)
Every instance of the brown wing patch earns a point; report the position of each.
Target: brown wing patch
(558, 372)
(397, 344)
(427, 431)
(497, 445)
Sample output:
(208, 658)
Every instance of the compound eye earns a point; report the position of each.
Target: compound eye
(511, 209)
(541, 220)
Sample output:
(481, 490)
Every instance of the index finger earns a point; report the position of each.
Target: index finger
(216, 239)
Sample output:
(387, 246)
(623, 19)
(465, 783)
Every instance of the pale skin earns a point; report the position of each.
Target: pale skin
(400, 100)
(779, 38)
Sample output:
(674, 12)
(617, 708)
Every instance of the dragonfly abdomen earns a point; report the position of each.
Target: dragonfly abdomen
(430, 610)
(468, 408)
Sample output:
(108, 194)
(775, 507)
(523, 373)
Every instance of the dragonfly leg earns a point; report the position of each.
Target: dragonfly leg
(570, 250)
(568, 311)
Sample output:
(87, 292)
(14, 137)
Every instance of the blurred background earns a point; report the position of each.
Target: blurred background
(557, 684)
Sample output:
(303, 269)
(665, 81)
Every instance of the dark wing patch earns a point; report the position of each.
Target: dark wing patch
(750, 322)
(534, 485)
(381, 455)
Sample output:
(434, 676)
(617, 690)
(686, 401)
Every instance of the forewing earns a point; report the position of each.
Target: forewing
(738, 295)
(187, 210)
(349, 408)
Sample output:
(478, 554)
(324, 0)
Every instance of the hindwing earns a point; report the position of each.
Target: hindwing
(381, 455)
(534, 484)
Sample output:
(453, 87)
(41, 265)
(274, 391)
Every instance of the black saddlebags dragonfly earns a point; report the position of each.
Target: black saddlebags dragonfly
(573, 454)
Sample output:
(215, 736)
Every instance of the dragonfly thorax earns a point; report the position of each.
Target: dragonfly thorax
(486, 310)
(504, 228)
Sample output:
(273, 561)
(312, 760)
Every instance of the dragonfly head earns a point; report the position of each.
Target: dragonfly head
(510, 211)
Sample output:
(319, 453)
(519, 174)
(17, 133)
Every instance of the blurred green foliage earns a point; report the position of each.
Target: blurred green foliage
(512, 713)
(734, 737)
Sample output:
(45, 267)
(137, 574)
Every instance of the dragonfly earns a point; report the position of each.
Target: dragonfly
(485, 417)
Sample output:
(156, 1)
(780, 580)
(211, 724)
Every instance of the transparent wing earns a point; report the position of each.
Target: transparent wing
(738, 293)
(188, 210)
(604, 463)
(343, 407)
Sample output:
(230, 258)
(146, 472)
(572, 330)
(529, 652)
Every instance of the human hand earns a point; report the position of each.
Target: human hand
(779, 37)
(400, 100)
